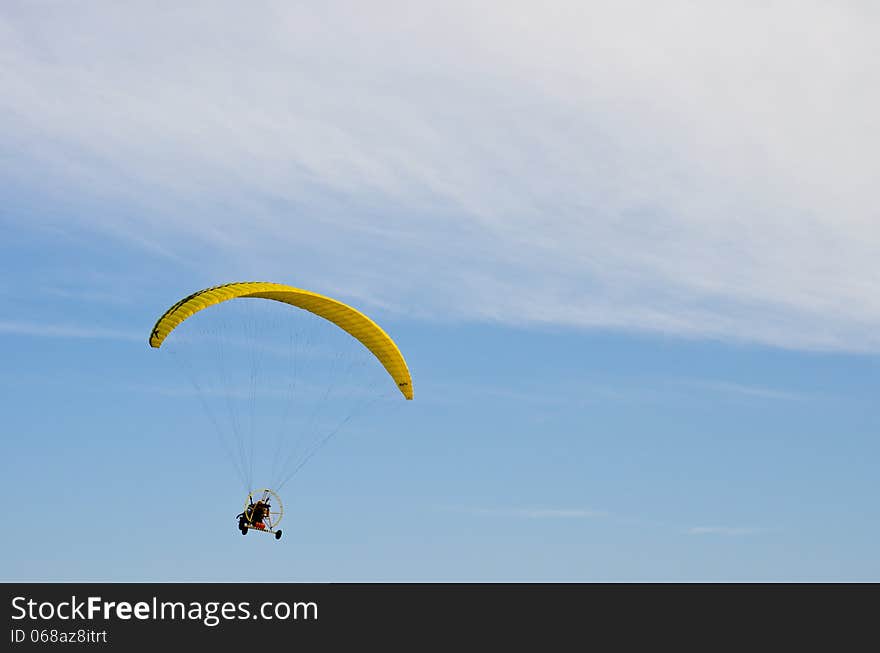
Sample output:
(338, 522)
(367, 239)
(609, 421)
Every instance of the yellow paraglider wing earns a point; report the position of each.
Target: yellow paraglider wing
(345, 317)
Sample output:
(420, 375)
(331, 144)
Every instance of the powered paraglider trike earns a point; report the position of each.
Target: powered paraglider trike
(263, 514)
(276, 383)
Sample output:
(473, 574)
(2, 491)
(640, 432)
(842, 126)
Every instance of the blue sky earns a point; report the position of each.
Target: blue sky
(631, 264)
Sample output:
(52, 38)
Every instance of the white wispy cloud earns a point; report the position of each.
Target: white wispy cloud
(726, 387)
(722, 530)
(41, 330)
(537, 513)
(587, 513)
(700, 170)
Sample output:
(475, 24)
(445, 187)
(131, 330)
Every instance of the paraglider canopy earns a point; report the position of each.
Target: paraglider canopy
(342, 315)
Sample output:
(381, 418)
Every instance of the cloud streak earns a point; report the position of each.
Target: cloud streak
(705, 171)
(39, 330)
(760, 392)
(538, 513)
(722, 530)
